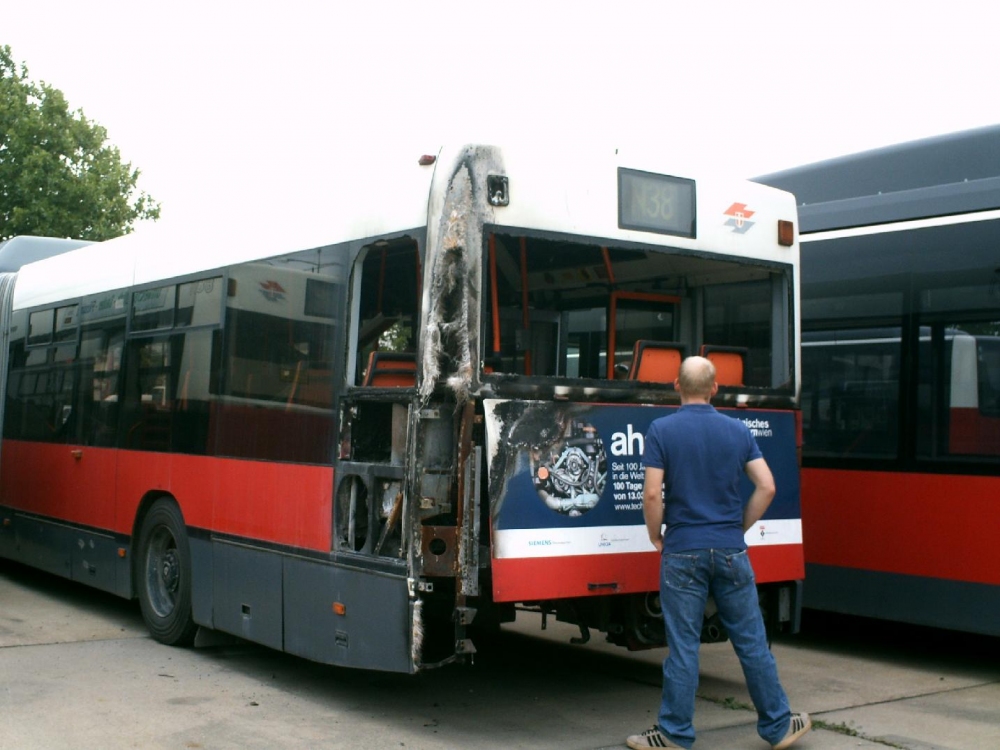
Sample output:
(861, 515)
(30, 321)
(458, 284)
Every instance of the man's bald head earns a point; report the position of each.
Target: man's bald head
(697, 378)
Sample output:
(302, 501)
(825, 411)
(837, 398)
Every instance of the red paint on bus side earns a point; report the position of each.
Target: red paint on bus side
(932, 525)
(64, 482)
(778, 562)
(282, 503)
(539, 578)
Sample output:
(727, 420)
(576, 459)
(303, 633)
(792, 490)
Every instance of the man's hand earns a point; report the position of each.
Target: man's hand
(763, 492)
(652, 506)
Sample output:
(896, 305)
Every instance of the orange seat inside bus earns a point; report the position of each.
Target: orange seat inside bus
(391, 369)
(656, 361)
(729, 361)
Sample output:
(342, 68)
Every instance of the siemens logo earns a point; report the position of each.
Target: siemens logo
(540, 543)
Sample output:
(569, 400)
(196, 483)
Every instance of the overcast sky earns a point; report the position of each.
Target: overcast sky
(263, 111)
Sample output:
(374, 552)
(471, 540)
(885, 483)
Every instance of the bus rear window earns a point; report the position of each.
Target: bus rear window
(562, 309)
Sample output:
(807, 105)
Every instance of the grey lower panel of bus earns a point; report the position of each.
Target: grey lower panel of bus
(955, 605)
(78, 554)
(286, 602)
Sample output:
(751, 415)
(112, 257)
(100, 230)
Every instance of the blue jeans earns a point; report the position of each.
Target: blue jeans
(686, 580)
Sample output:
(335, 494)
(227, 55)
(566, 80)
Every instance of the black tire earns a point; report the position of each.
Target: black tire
(163, 575)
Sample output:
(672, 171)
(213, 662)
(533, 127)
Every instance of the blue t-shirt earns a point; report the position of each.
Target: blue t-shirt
(702, 454)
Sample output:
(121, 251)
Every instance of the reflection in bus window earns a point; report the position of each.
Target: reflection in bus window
(65, 333)
(277, 394)
(100, 364)
(153, 309)
(166, 404)
(850, 398)
(42, 381)
(958, 409)
(740, 315)
(40, 327)
(199, 302)
(147, 410)
(169, 377)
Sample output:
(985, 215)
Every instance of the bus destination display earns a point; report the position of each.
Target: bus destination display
(656, 203)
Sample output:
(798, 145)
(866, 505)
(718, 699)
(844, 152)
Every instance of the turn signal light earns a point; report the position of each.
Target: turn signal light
(786, 233)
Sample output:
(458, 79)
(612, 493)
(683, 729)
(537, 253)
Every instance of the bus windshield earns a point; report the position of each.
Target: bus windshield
(567, 309)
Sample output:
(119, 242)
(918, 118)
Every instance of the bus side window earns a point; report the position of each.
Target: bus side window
(958, 410)
(272, 377)
(850, 398)
(146, 405)
(387, 289)
(42, 383)
(99, 369)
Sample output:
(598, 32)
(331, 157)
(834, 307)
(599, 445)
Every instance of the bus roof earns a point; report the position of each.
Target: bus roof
(21, 250)
(939, 176)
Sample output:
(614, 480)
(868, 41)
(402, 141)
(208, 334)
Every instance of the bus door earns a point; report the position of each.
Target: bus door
(62, 408)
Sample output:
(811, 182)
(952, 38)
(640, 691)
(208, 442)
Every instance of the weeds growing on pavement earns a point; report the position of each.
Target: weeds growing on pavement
(850, 731)
(840, 728)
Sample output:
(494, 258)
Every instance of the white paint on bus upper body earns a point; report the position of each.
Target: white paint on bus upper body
(574, 193)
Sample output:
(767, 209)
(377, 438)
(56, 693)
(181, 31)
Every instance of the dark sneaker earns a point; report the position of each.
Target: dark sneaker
(800, 724)
(652, 737)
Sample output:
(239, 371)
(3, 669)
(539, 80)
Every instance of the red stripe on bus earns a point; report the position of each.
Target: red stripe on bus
(520, 579)
(933, 525)
(281, 503)
(778, 562)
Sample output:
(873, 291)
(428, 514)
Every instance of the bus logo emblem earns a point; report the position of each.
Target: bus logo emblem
(739, 218)
(272, 291)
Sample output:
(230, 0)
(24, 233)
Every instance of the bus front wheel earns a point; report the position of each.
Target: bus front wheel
(164, 575)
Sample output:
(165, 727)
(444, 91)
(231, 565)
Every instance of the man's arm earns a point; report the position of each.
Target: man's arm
(652, 506)
(763, 491)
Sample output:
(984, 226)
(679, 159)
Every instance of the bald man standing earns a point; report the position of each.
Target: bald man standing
(694, 459)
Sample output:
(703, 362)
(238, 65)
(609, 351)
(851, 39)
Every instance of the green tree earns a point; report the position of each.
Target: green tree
(58, 175)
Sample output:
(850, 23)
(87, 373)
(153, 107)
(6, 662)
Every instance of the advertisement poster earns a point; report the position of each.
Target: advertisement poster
(566, 479)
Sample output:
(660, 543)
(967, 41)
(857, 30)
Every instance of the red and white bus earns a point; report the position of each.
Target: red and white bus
(901, 381)
(361, 445)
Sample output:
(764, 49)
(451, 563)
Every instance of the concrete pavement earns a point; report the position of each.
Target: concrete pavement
(77, 670)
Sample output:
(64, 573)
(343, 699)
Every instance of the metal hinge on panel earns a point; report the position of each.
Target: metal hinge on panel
(469, 542)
